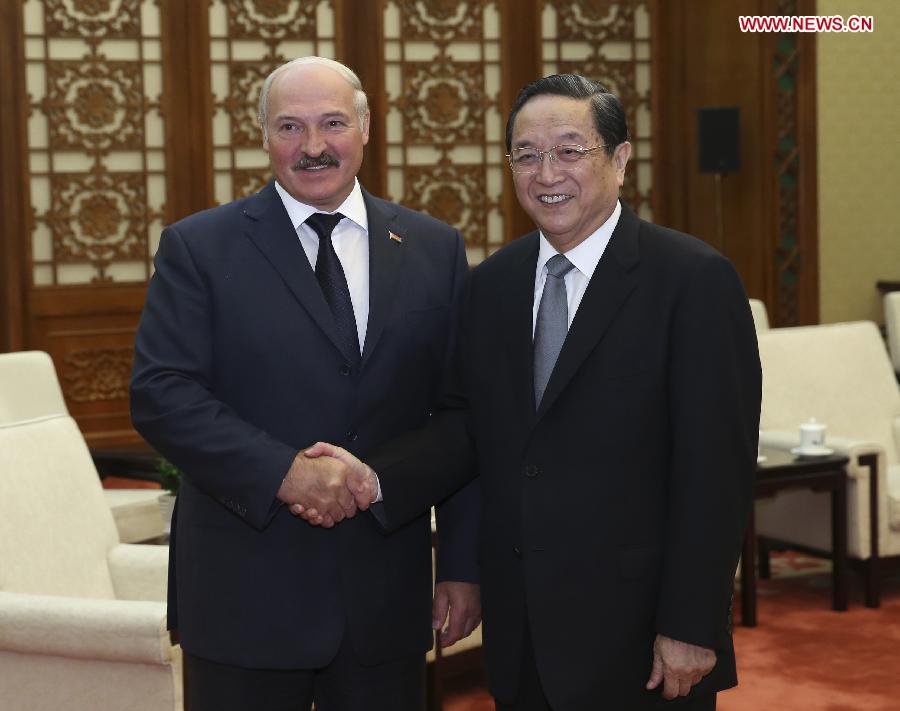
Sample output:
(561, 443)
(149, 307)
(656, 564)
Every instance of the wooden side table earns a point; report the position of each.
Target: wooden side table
(781, 471)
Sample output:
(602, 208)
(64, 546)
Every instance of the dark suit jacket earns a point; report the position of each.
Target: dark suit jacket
(616, 511)
(236, 368)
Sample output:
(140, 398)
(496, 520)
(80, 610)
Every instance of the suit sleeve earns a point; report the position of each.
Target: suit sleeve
(172, 400)
(714, 398)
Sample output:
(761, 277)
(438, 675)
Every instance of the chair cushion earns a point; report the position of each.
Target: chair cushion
(136, 513)
(56, 528)
(892, 325)
(837, 373)
(893, 475)
(29, 387)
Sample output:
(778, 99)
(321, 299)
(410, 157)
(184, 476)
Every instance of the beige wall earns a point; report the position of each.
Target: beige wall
(859, 160)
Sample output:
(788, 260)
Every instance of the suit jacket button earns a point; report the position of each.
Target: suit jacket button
(345, 369)
(531, 470)
(352, 435)
(517, 551)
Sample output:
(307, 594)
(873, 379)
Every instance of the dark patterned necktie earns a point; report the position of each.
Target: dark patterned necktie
(333, 281)
(552, 323)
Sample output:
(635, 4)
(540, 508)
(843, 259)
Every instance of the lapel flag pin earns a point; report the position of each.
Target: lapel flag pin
(397, 238)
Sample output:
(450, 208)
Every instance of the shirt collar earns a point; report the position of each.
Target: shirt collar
(353, 207)
(586, 255)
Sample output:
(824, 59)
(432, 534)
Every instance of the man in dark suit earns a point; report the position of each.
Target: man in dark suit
(610, 389)
(311, 310)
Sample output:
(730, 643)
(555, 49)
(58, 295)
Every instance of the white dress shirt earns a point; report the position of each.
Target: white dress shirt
(584, 258)
(351, 244)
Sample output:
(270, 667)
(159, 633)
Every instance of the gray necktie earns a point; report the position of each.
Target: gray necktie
(552, 323)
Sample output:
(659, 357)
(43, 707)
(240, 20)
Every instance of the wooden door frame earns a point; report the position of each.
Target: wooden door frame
(15, 225)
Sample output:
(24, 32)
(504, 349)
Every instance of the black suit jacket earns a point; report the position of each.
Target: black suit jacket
(237, 367)
(616, 511)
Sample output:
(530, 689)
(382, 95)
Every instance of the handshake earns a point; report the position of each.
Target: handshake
(327, 484)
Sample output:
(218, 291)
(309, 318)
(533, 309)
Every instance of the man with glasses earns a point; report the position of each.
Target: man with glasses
(610, 385)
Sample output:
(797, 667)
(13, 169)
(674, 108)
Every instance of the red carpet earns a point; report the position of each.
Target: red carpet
(803, 656)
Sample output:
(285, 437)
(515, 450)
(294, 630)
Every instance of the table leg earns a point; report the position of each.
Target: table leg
(839, 544)
(748, 574)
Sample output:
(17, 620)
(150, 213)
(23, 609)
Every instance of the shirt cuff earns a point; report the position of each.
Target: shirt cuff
(378, 499)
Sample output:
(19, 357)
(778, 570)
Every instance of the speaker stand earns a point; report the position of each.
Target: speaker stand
(717, 208)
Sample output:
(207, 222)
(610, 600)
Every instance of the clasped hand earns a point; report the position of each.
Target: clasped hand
(327, 484)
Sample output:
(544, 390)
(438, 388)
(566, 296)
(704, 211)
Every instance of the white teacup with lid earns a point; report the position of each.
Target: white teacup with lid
(812, 436)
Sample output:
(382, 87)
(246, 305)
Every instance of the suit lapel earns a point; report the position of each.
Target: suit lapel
(385, 259)
(607, 291)
(269, 228)
(517, 315)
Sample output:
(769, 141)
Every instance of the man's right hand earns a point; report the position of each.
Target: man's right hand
(329, 486)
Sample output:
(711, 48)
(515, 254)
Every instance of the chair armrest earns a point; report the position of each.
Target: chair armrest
(853, 449)
(84, 628)
(139, 572)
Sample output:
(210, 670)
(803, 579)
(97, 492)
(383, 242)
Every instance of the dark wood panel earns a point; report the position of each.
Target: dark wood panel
(521, 64)
(13, 178)
(187, 104)
(89, 332)
(711, 63)
(360, 36)
(704, 60)
(808, 198)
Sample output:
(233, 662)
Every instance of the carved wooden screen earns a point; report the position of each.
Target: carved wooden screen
(247, 41)
(609, 42)
(445, 151)
(95, 139)
(98, 154)
(93, 180)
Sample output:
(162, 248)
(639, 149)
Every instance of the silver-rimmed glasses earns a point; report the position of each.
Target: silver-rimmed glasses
(565, 157)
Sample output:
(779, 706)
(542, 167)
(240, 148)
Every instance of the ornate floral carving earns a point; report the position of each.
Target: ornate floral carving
(97, 374)
(93, 20)
(98, 217)
(595, 20)
(271, 19)
(272, 8)
(95, 105)
(443, 102)
(441, 20)
(788, 253)
(455, 194)
(248, 181)
(241, 104)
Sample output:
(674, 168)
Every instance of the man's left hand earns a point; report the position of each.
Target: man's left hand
(462, 603)
(679, 666)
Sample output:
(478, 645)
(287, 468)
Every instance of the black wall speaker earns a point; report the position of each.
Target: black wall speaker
(719, 133)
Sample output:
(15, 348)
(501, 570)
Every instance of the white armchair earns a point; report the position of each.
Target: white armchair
(892, 325)
(29, 388)
(82, 616)
(760, 315)
(839, 374)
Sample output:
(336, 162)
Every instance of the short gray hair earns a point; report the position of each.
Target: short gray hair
(360, 100)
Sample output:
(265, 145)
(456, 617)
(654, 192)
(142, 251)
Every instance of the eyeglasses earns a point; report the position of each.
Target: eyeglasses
(565, 157)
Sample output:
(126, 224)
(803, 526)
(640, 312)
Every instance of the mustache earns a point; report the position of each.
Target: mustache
(321, 160)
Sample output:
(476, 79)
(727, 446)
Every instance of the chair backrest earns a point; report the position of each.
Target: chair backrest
(760, 315)
(29, 387)
(56, 529)
(892, 324)
(838, 373)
